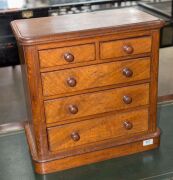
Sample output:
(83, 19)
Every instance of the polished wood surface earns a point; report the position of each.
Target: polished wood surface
(91, 87)
(133, 145)
(65, 137)
(166, 98)
(125, 47)
(97, 156)
(57, 82)
(67, 26)
(95, 103)
(66, 55)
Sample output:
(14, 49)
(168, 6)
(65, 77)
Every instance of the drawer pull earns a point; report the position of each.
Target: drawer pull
(73, 109)
(75, 136)
(128, 49)
(69, 57)
(128, 125)
(127, 99)
(71, 82)
(127, 72)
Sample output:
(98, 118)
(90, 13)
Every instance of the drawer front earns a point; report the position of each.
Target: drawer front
(95, 103)
(125, 47)
(83, 78)
(90, 131)
(66, 55)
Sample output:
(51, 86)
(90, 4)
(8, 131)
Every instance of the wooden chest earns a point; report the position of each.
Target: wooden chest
(91, 86)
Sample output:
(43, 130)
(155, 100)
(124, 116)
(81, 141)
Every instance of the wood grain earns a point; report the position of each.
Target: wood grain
(36, 113)
(99, 129)
(114, 35)
(94, 76)
(114, 49)
(165, 98)
(96, 156)
(154, 80)
(67, 27)
(55, 57)
(89, 57)
(95, 103)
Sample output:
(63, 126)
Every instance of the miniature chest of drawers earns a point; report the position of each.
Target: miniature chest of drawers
(91, 86)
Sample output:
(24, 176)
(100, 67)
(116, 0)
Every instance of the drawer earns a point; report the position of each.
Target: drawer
(88, 77)
(90, 131)
(95, 103)
(65, 55)
(125, 47)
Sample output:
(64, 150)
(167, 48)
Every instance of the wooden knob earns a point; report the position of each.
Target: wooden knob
(128, 125)
(127, 72)
(127, 99)
(128, 49)
(73, 109)
(71, 82)
(75, 136)
(69, 57)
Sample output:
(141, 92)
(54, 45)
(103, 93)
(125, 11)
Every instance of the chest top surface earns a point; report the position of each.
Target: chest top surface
(39, 29)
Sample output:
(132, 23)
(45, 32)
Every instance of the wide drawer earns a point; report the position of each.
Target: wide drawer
(88, 77)
(125, 47)
(67, 55)
(95, 103)
(90, 131)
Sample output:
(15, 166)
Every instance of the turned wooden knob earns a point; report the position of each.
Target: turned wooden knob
(71, 82)
(73, 109)
(127, 99)
(127, 125)
(128, 49)
(75, 136)
(127, 72)
(69, 57)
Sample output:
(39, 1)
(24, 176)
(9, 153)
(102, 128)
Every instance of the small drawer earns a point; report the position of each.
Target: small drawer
(95, 103)
(88, 77)
(125, 47)
(66, 137)
(66, 55)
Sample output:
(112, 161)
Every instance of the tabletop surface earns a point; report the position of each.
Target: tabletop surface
(15, 161)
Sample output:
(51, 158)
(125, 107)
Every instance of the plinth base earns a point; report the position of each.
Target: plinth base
(139, 144)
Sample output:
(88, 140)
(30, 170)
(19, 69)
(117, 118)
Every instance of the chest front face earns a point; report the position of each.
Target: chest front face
(91, 95)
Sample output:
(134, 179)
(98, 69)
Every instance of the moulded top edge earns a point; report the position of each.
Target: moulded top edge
(39, 30)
